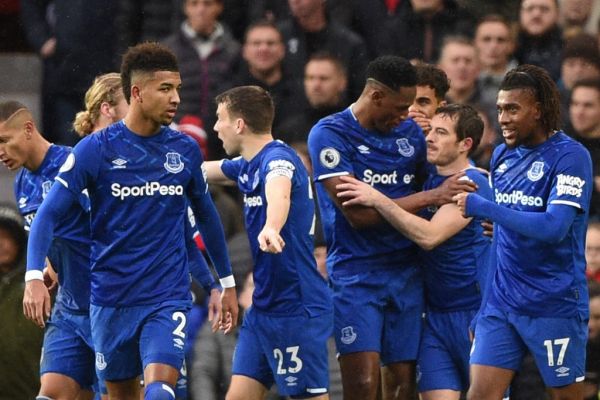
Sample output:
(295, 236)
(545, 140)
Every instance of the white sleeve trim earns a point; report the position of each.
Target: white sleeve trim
(566, 202)
(227, 282)
(61, 180)
(325, 176)
(34, 274)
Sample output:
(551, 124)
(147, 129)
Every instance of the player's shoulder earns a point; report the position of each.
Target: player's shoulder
(336, 123)
(409, 127)
(567, 143)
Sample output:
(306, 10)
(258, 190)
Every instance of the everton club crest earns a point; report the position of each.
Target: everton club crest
(536, 171)
(173, 164)
(405, 148)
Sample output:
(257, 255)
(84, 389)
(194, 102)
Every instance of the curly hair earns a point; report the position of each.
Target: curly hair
(542, 87)
(145, 57)
(393, 71)
(106, 88)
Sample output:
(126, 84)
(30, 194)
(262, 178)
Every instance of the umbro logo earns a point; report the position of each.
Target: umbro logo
(362, 149)
(562, 371)
(119, 163)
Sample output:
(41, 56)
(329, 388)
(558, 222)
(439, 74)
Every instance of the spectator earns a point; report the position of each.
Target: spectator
(422, 28)
(20, 339)
(581, 60)
(140, 21)
(75, 46)
(207, 55)
(310, 31)
(263, 53)
(495, 45)
(459, 61)
(585, 119)
(540, 38)
(325, 90)
(576, 17)
(591, 384)
(592, 252)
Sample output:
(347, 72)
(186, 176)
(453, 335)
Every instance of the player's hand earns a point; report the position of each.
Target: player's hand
(50, 279)
(457, 183)
(356, 192)
(461, 201)
(230, 310)
(488, 228)
(36, 302)
(214, 309)
(270, 241)
(421, 120)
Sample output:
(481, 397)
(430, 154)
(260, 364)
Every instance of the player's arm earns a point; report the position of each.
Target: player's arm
(202, 275)
(211, 228)
(214, 173)
(549, 226)
(446, 222)
(277, 192)
(361, 216)
(36, 299)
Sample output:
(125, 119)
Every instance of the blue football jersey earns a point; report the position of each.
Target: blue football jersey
(137, 188)
(289, 282)
(393, 163)
(454, 268)
(70, 250)
(533, 277)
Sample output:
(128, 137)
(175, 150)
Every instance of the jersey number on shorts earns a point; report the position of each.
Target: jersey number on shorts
(178, 315)
(563, 343)
(293, 351)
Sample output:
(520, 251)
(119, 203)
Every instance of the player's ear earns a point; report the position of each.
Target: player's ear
(136, 93)
(105, 109)
(239, 125)
(466, 144)
(28, 128)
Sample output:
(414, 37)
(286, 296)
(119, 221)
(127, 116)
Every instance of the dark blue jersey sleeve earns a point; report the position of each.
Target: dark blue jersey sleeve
(207, 218)
(55, 206)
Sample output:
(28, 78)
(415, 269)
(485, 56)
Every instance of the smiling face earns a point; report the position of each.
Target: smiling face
(157, 95)
(519, 117)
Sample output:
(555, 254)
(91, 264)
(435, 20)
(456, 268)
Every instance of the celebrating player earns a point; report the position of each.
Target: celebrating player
(283, 338)
(538, 301)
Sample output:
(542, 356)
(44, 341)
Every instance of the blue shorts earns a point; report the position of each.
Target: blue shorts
(379, 311)
(68, 348)
(127, 339)
(557, 344)
(444, 353)
(290, 351)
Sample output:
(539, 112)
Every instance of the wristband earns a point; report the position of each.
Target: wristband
(227, 282)
(35, 274)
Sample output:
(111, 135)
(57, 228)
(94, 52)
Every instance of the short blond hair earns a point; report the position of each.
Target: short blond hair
(106, 88)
